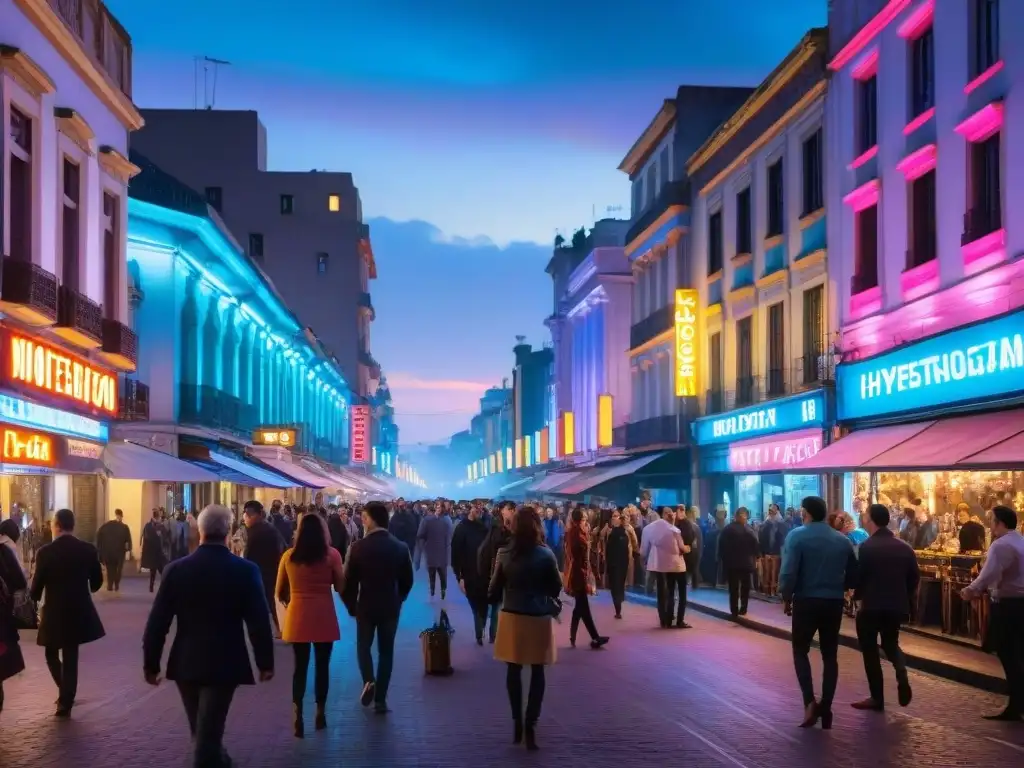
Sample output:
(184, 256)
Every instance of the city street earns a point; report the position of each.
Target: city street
(717, 694)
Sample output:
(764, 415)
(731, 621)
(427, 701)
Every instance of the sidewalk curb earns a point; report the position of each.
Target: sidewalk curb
(936, 667)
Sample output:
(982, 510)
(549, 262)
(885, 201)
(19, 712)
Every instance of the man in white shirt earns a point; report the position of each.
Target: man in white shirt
(1003, 577)
(662, 549)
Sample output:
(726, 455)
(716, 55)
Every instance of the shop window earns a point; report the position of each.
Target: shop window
(985, 37)
(922, 73)
(715, 245)
(744, 228)
(984, 214)
(923, 244)
(813, 174)
(70, 225)
(776, 202)
(20, 220)
(867, 114)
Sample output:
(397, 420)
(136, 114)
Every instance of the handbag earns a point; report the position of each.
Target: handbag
(554, 607)
(24, 610)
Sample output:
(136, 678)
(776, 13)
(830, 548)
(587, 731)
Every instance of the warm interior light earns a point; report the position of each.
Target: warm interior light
(334, 203)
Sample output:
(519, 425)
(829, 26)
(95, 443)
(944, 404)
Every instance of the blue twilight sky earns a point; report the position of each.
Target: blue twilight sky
(475, 131)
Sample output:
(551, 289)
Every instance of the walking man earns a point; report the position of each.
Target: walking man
(887, 579)
(663, 551)
(737, 551)
(378, 577)
(113, 541)
(435, 544)
(67, 573)
(264, 547)
(214, 597)
(469, 536)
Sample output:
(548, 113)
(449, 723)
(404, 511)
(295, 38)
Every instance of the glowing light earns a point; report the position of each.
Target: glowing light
(519, 452)
(863, 196)
(569, 433)
(545, 445)
(31, 448)
(508, 458)
(604, 421)
(527, 453)
(984, 77)
(864, 157)
(284, 437)
(983, 123)
(334, 203)
(492, 464)
(359, 448)
(687, 347)
(918, 163)
(536, 447)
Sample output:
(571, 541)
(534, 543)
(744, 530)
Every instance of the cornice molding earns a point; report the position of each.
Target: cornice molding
(116, 164)
(28, 74)
(74, 126)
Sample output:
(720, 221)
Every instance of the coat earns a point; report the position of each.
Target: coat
(214, 597)
(887, 575)
(264, 547)
(497, 537)
(11, 659)
(435, 541)
(578, 577)
(306, 591)
(404, 527)
(467, 539)
(67, 572)
(378, 577)
(662, 548)
(738, 547)
(153, 534)
(113, 539)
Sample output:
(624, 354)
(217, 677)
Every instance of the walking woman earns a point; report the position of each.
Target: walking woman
(12, 579)
(305, 577)
(527, 584)
(579, 579)
(618, 553)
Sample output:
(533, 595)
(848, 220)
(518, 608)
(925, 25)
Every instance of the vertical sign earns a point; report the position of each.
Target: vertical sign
(686, 342)
(490, 461)
(604, 421)
(527, 452)
(360, 443)
(568, 433)
(545, 445)
(560, 436)
(519, 452)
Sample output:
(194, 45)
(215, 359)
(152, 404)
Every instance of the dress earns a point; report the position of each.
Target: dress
(310, 616)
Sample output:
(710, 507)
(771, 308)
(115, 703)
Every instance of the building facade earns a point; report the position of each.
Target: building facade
(760, 278)
(531, 404)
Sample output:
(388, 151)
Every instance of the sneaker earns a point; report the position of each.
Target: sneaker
(599, 642)
(366, 697)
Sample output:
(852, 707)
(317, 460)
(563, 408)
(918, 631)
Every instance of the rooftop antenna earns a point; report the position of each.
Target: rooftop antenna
(209, 93)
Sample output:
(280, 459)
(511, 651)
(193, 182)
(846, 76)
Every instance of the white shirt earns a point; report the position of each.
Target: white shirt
(1003, 574)
(661, 547)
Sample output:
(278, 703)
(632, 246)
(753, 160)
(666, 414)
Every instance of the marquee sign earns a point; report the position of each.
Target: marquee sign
(782, 415)
(359, 445)
(21, 446)
(279, 437)
(686, 347)
(779, 453)
(14, 410)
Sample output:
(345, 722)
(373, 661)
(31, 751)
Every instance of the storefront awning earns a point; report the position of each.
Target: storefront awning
(951, 442)
(516, 485)
(299, 474)
(131, 461)
(598, 475)
(335, 478)
(246, 473)
(553, 480)
(858, 448)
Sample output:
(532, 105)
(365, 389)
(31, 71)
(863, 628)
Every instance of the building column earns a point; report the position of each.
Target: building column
(256, 375)
(229, 352)
(188, 373)
(211, 342)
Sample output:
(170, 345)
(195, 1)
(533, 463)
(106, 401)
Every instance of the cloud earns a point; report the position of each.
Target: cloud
(401, 380)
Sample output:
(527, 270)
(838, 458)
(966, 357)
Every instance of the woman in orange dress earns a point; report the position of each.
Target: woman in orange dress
(307, 573)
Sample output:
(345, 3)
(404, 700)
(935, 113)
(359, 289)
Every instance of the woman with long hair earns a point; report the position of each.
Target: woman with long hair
(305, 577)
(618, 553)
(579, 579)
(526, 582)
(12, 576)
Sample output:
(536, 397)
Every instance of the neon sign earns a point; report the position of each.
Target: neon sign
(686, 342)
(279, 436)
(977, 363)
(14, 410)
(782, 415)
(360, 444)
(776, 453)
(31, 448)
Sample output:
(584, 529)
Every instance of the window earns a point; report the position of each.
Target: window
(111, 256)
(20, 222)
(651, 184)
(663, 162)
(922, 73)
(71, 226)
(744, 361)
(638, 196)
(334, 203)
(321, 263)
(256, 246)
(814, 334)
(743, 222)
(776, 209)
(985, 41)
(867, 114)
(813, 175)
(984, 214)
(215, 197)
(866, 274)
(715, 361)
(715, 244)
(922, 220)
(776, 383)
(287, 204)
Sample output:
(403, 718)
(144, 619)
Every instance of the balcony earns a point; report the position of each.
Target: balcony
(673, 429)
(748, 391)
(367, 304)
(673, 193)
(651, 326)
(775, 382)
(714, 401)
(102, 38)
(980, 221)
(29, 293)
(79, 319)
(816, 366)
(134, 403)
(206, 406)
(120, 345)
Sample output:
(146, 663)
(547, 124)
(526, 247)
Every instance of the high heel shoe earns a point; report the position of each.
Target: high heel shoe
(320, 723)
(297, 724)
(812, 713)
(826, 720)
(531, 739)
(517, 732)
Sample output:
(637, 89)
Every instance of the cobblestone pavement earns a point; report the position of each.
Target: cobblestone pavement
(715, 695)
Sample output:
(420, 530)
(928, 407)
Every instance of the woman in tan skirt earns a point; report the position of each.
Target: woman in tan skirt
(526, 582)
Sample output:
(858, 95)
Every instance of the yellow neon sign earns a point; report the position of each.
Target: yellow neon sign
(686, 347)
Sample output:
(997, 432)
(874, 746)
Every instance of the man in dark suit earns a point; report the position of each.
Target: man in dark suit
(67, 572)
(214, 596)
(113, 541)
(378, 577)
(264, 547)
(887, 582)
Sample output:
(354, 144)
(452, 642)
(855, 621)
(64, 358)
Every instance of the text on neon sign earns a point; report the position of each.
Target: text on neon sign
(776, 454)
(43, 367)
(28, 448)
(686, 342)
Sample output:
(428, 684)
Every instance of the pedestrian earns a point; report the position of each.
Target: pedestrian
(193, 532)
(687, 521)
(554, 532)
(737, 551)
(578, 579)
(306, 575)
(664, 555)
(264, 547)
(378, 578)
(468, 537)
(771, 536)
(498, 536)
(434, 541)
(404, 526)
(12, 581)
(1003, 577)
(526, 582)
(336, 528)
(818, 566)
(887, 579)
(113, 542)
(67, 573)
(153, 559)
(618, 559)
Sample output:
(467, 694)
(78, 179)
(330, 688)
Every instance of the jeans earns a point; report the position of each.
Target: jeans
(822, 617)
(667, 584)
(739, 590)
(206, 707)
(321, 674)
(871, 624)
(385, 631)
(433, 574)
(1005, 624)
(481, 613)
(114, 570)
(581, 612)
(63, 666)
(514, 685)
(693, 568)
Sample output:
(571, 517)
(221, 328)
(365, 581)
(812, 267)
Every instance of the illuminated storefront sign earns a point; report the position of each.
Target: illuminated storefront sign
(285, 437)
(83, 450)
(14, 410)
(38, 366)
(783, 415)
(31, 448)
(686, 342)
(777, 453)
(604, 421)
(980, 362)
(359, 446)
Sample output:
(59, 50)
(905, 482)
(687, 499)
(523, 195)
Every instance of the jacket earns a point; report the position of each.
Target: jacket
(378, 577)
(153, 556)
(661, 546)
(773, 534)
(113, 539)
(264, 547)
(525, 582)
(213, 596)
(339, 534)
(305, 588)
(12, 661)
(467, 539)
(434, 540)
(404, 527)
(487, 555)
(817, 562)
(68, 572)
(887, 575)
(579, 576)
(554, 532)
(737, 547)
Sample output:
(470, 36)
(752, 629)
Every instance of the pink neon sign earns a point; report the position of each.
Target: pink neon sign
(778, 452)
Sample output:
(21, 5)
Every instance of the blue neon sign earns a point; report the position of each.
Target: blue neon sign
(21, 413)
(980, 362)
(783, 415)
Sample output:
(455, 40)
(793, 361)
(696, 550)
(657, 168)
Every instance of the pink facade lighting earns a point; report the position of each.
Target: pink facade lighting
(984, 123)
(918, 163)
(863, 196)
(867, 67)
(777, 453)
(864, 157)
(918, 121)
(984, 77)
(917, 21)
(867, 33)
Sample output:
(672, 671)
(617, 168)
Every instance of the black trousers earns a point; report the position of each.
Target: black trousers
(581, 612)
(514, 685)
(385, 632)
(63, 666)
(871, 625)
(321, 672)
(693, 568)
(433, 574)
(115, 567)
(617, 587)
(1007, 636)
(152, 576)
(206, 707)
(822, 617)
(481, 613)
(667, 584)
(739, 589)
